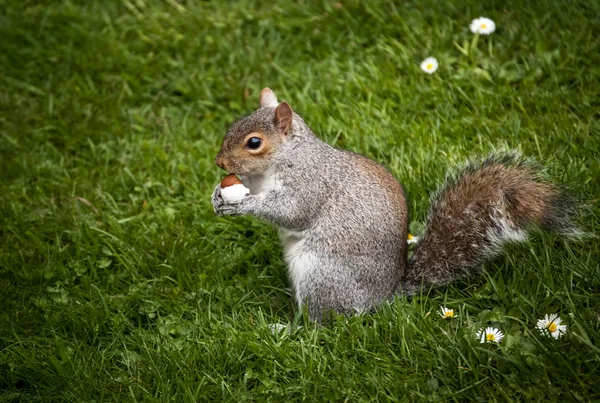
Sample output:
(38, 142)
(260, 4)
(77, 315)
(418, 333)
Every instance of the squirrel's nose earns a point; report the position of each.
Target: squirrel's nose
(220, 161)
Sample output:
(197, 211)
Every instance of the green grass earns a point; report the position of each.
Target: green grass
(118, 282)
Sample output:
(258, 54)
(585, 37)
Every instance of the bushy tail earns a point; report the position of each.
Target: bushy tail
(479, 210)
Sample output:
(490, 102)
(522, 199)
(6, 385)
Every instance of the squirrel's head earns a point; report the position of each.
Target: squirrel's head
(251, 143)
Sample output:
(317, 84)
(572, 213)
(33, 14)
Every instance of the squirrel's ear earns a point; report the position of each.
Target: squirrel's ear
(268, 98)
(283, 117)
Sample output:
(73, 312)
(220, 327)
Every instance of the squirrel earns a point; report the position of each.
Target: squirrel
(342, 218)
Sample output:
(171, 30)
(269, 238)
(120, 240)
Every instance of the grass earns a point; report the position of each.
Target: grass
(118, 282)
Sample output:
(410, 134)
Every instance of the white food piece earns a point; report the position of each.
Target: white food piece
(234, 193)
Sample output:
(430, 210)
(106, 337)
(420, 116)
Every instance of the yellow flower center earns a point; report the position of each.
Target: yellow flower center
(552, 327)
(490, 337)
(410, 237)
(449, 314)
(429, 66)
(482, 26)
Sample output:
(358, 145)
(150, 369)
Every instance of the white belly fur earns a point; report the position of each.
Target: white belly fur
(298, 259)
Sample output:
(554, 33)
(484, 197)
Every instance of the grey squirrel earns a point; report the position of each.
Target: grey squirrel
(342, 218)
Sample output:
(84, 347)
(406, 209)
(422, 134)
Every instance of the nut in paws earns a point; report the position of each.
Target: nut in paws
(225, 207)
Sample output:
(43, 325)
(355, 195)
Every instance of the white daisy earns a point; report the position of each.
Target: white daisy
(446, 313)
(412, 239)
(550, 326)
(429, 65)
(490, 334)
(483, 26)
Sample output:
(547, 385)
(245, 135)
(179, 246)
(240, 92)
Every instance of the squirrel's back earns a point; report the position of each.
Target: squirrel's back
(357, 237)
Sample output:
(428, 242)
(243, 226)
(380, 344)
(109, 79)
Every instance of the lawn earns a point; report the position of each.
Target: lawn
(119, 283)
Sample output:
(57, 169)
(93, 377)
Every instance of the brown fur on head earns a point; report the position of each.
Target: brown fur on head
(250, 143)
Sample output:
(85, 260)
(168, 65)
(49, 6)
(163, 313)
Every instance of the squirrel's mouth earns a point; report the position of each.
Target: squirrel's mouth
(225, 165)
(229, 166)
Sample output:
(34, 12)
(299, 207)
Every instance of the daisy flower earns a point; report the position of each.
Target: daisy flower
(447, 313)
(490, 334)
(550, 326)
(429, 65)
(483, 26)
(412, 239)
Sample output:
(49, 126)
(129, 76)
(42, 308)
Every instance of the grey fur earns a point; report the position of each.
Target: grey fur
(342, 218)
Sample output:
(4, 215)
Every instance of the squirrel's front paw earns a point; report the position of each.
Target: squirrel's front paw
(226, 206)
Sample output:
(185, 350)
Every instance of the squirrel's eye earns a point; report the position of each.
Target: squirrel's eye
(253, 143)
